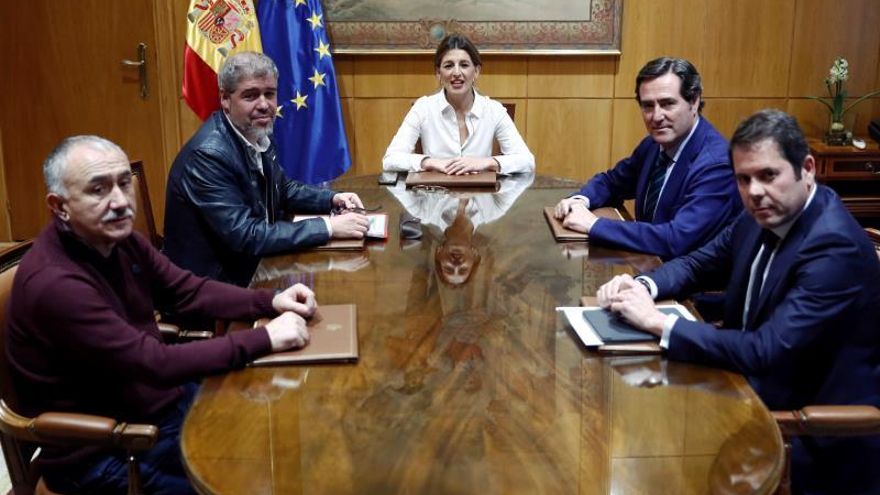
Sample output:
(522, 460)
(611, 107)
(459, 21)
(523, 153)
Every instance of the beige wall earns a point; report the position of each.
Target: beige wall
(577, 113)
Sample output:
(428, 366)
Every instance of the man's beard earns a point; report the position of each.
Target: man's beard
(258, 133)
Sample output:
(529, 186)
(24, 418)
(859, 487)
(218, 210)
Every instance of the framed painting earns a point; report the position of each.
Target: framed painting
(495, 26)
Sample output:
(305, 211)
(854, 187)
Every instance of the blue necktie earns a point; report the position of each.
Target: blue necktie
(769, 241)
(655, 184)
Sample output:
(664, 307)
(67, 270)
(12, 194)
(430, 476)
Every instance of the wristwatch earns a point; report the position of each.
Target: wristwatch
(645, 283)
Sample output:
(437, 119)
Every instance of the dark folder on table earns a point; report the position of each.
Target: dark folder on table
(333, 339)
(562, 234)
(614, 330)
(480, 179)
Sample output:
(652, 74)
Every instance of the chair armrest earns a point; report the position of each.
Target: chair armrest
(829, 420)
(168, 330)
(77, 429)
(171, 332)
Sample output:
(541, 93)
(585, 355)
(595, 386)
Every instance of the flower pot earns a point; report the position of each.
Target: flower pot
(837, 135)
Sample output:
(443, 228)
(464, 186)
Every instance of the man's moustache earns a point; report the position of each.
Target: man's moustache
(118, 215)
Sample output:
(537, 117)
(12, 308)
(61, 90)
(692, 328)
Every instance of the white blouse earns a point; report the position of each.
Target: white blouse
(433, 120)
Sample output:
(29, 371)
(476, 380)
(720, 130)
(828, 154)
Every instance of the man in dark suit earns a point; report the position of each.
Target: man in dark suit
(679, 175)
(802, 312)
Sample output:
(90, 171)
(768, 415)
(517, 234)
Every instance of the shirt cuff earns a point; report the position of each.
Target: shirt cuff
(667, 330)
(416, 165)
(329, 227)
(651, 286)
(583, 198)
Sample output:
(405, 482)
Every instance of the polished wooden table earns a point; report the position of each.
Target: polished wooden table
(475, 387)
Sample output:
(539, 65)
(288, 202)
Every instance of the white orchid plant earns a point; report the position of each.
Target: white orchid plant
(835, 102)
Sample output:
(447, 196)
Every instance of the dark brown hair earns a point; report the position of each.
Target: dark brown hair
(456, 41)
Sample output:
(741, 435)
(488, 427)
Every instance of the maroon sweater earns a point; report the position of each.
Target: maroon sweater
(82, 336)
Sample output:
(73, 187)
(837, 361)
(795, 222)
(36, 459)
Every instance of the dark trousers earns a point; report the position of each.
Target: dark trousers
(161, 468)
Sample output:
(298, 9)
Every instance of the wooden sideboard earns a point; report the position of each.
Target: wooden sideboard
(853, 173)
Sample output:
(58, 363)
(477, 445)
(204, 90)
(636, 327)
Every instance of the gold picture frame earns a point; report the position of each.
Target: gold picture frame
(496, 26)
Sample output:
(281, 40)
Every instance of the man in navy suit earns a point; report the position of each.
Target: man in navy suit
(802, 311)
(679, 175)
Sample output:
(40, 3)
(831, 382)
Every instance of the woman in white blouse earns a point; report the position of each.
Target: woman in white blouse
(457, 124)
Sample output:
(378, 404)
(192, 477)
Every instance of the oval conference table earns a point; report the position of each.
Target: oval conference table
(468, 381)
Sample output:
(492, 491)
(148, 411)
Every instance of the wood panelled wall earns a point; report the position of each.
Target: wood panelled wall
(577, 113)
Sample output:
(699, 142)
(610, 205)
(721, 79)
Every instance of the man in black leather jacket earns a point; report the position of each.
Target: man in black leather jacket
(228, 201)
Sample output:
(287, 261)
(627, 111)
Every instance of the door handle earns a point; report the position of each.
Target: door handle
(142, 68)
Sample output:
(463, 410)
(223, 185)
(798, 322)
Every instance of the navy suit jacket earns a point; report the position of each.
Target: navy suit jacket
(814, 337)
(700, 197)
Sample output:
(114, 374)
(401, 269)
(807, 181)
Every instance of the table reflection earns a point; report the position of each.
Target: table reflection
(472, 384)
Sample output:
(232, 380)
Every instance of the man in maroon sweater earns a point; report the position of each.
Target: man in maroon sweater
(82, 335)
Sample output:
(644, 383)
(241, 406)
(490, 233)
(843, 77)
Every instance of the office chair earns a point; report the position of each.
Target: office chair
(20, 436)
(826, 420)
(144, 221)
(874, 235)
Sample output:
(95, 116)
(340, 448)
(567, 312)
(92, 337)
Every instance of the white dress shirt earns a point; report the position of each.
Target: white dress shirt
(432, 119)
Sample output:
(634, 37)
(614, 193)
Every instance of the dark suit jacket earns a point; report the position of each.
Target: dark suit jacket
(815, 336)
(700, 197)
(219, 219)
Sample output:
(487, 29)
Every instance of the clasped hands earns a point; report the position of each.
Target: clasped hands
(461, 165)
(574, 215)
(630, 299)
(288, 329)
(349, 224)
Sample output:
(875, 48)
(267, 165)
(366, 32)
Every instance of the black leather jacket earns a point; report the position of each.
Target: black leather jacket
(218, 219)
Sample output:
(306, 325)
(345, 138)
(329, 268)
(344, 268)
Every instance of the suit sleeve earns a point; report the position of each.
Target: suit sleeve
(210, 185)
(709, 190)
(823, 289)
(612, 187)
(707, 267)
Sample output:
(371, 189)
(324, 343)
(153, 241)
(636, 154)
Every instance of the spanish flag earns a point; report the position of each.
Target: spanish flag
(215, 30)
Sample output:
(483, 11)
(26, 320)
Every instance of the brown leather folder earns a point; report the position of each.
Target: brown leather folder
(562, 234)
(334, 244)
(333, 339)
(480, 179)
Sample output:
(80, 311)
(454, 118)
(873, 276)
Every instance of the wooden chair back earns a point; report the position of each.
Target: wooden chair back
(874, 235)
(16, 453)
(20, 436)
(144, 221)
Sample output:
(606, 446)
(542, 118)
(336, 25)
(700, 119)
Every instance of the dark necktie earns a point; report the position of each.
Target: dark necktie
(769, 241)
(655, 184)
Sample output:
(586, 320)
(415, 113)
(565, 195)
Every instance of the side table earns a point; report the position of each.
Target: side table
(853, 173)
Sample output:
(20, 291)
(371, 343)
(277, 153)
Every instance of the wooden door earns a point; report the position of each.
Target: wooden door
(62, 74)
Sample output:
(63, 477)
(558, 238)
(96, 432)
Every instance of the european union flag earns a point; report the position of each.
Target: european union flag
(309, 130)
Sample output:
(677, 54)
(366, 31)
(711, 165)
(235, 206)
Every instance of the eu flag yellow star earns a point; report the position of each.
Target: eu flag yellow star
(323, 49)
(297, 3)
(318, 79)
(315, 21)
(278, 114)
(300, 101)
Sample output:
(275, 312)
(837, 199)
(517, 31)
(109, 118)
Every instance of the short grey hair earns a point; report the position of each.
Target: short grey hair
(244, 65)
(56, 162)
